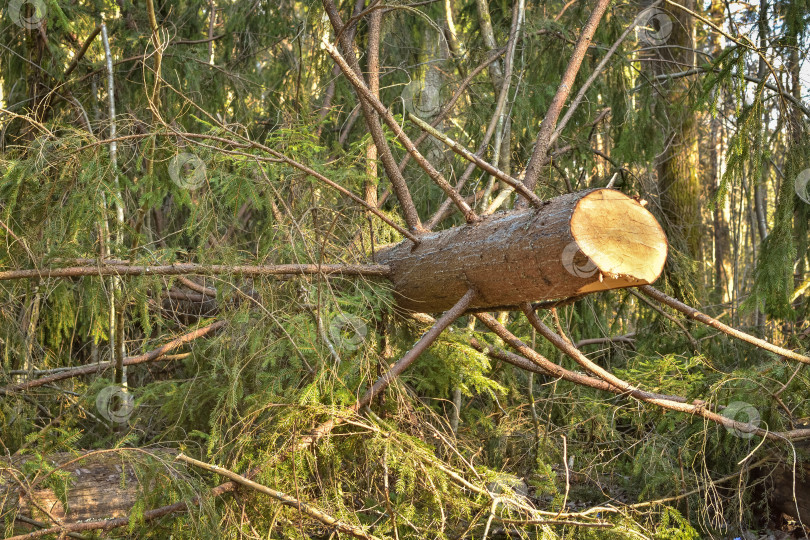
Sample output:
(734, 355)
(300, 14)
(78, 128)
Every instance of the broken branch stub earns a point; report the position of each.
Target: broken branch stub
(574, 244)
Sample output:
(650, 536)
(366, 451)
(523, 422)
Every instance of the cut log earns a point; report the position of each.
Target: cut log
(575, 244)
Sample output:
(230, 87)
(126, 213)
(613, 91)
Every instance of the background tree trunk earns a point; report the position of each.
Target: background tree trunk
(678, 179)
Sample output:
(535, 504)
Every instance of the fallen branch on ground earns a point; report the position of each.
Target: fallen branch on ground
(382, 383)
(528, 365)
(322, 430)
(285, 499)
(151, 356)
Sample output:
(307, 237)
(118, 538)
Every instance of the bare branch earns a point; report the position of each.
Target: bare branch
(698, 409)
(82, 51)
(466, 154)
(535, 362)
(697, 71)
(692, 341)
(497, 116)
(626, 338)
(555, 108)
(410, 236)
(598, 71)
(151, 356)
(692, 313)
(565, 346)
(179, 269)
(373, 65)
(402, 364)
(445, 209)
(447, 109)
(277, 157)
(373, 123)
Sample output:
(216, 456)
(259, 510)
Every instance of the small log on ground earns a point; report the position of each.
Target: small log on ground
(100, 486)
(575, 244)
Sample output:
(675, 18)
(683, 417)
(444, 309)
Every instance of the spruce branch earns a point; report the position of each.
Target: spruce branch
(598, 71)
(480, 163)
(400, 187)
(381, 110)
(623, 388)
(396, 370)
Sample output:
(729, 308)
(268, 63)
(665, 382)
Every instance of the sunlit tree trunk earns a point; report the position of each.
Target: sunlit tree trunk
(716, 151)
(375, 20)
(678, 178)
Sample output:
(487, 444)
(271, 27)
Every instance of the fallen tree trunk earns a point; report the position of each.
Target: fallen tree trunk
(574, 244)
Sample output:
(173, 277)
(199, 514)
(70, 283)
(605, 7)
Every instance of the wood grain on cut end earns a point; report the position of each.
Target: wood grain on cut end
(620, 237)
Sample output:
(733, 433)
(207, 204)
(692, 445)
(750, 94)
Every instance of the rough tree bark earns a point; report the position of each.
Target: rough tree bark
(575, 244)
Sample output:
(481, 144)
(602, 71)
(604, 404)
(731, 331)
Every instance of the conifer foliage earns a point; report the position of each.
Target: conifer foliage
(197, 340)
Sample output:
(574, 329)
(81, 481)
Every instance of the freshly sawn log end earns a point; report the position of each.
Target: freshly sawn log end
(620, 237)
(575, 244)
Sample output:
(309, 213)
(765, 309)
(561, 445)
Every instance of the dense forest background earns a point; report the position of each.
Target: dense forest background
(214, 141)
